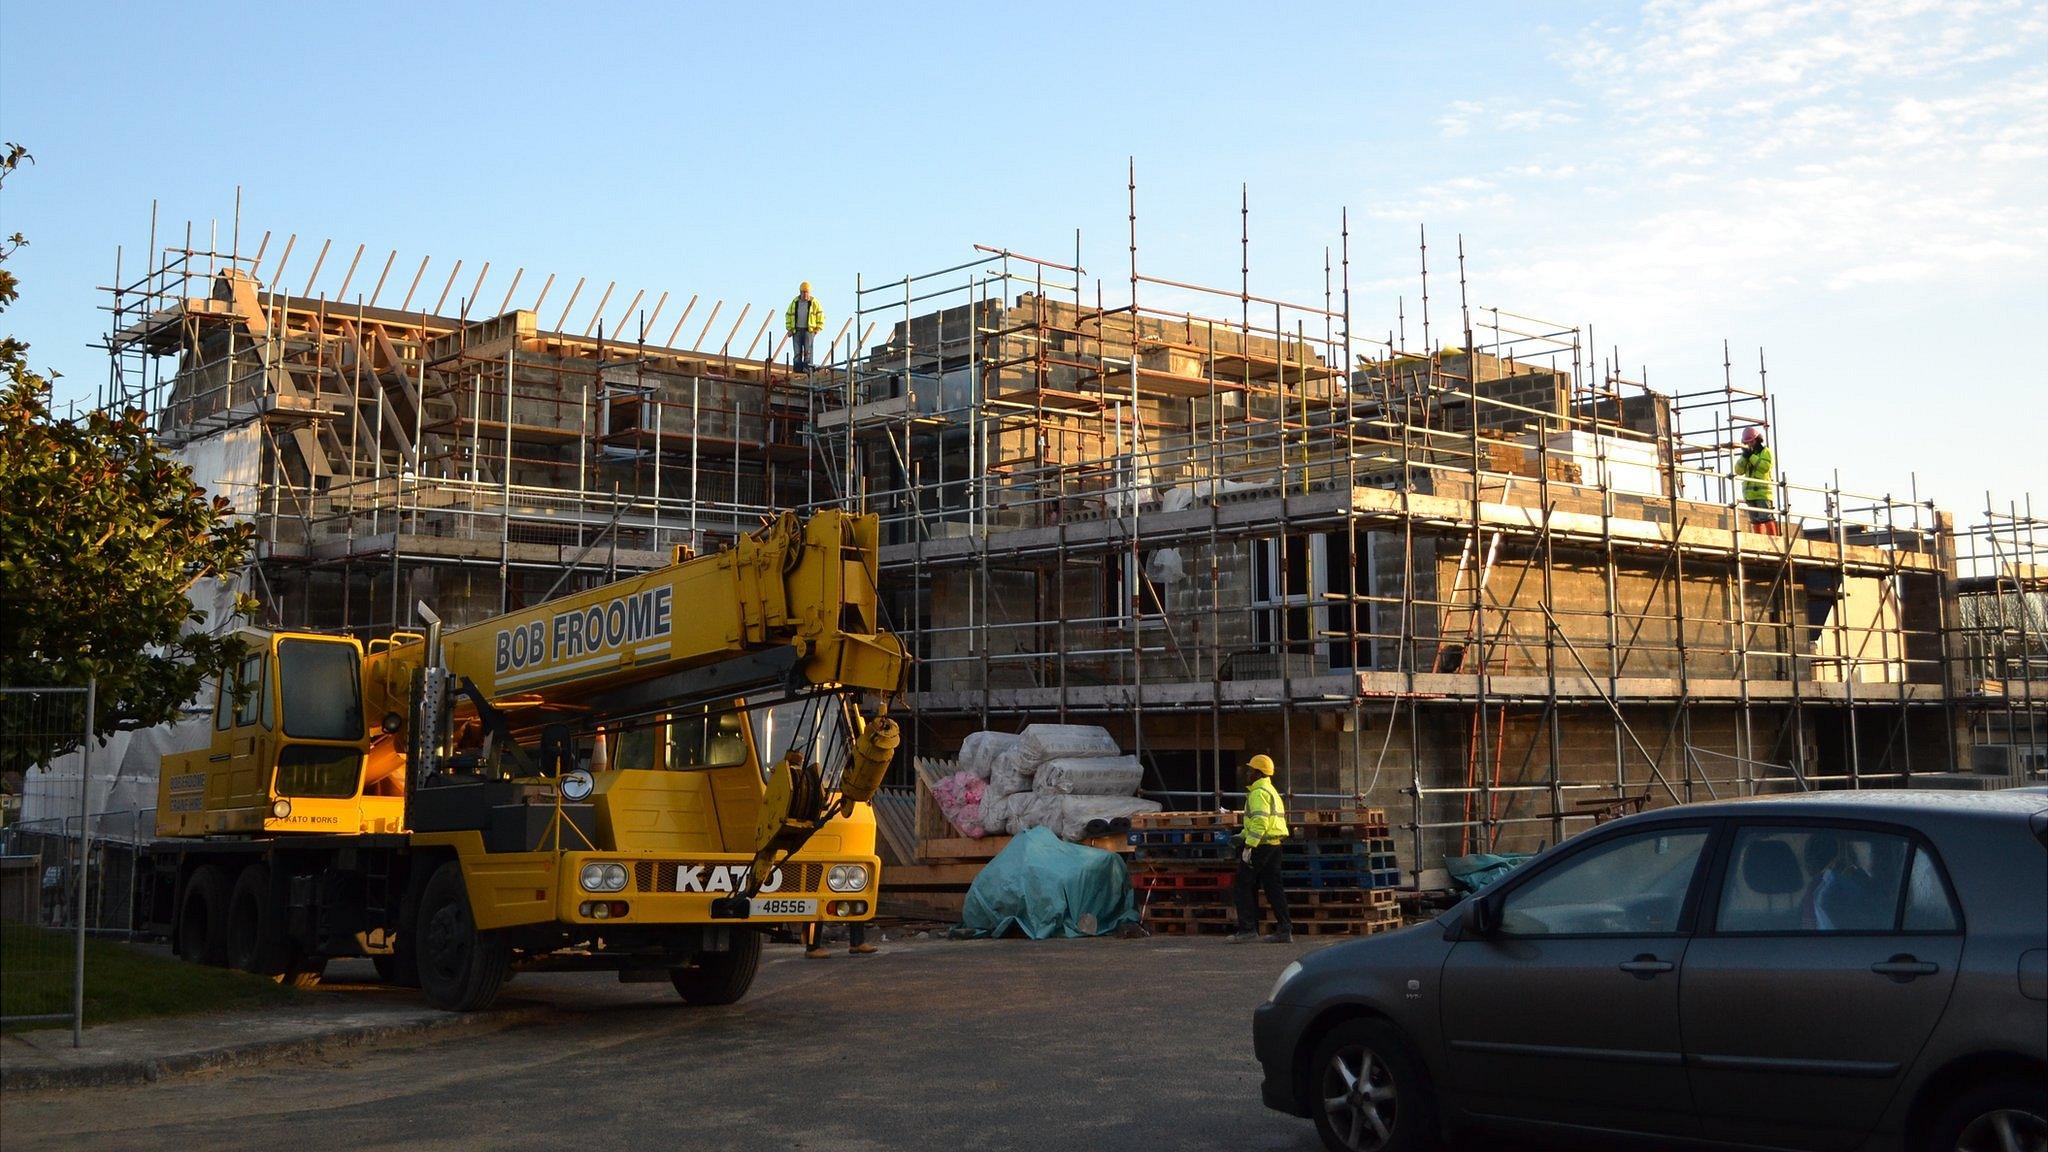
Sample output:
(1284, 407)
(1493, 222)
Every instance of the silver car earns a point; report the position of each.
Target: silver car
(1849, 970)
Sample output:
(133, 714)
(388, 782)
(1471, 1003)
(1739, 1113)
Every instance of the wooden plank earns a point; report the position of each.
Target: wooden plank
(922, 905)
(928, 875)
(962, 847)
(895, 819)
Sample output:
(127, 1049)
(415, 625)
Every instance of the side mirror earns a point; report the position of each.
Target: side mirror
(1478, 919)
(393, 722)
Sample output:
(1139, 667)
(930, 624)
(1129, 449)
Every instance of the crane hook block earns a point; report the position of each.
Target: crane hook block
(872, 753)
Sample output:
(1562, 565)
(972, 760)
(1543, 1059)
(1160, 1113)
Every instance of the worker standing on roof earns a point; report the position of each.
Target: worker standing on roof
(1258, 854)
(802, 321)
(1755, 467)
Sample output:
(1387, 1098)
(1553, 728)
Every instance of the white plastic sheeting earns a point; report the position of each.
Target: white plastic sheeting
(1089, 776)
(1062, 777)
(979, 751)
(1043, 742)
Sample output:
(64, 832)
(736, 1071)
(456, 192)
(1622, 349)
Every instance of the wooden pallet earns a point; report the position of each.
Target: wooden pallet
(1201, 928)
(1318, 905)
(1151, 820)
(1318, 816)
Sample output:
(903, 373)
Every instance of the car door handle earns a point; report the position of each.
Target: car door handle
(1646, 965)
(1905, 967)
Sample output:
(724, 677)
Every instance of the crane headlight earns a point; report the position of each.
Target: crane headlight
(597, 877)
(847, 878)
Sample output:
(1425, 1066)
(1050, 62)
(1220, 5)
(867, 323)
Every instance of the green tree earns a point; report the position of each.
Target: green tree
(102, 532)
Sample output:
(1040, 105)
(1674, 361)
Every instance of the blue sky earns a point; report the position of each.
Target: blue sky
(1856, 187)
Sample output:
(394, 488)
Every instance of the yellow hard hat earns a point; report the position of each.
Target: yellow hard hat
(804, 287)
(1262, 764)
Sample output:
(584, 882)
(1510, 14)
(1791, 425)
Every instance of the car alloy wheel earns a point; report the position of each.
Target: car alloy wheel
(2005, 1130)
(1358, 1093)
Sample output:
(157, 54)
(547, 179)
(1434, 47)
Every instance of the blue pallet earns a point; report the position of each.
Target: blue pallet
(1159, 836)
(1322, 849)
(1187, 852)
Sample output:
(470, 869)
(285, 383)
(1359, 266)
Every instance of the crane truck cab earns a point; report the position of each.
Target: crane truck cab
(640, 777)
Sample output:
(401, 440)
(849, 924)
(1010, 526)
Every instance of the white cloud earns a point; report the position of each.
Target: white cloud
(1517, 115)
(1742, 148)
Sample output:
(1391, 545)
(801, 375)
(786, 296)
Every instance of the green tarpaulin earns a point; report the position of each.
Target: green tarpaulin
(1471, 873)
(1043, 886)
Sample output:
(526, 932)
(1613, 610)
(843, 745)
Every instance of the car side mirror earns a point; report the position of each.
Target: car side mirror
(1478, 920)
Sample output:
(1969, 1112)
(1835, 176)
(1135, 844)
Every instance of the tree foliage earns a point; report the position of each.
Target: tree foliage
(102, 532)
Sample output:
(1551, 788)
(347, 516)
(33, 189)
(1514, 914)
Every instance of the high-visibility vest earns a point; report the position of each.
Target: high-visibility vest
(814, 316)
(1755, 468)
(1265, 814)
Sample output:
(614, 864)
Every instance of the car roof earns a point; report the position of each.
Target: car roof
(2011, 803)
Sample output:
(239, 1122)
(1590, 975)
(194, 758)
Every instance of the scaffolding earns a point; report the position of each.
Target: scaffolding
(479, 462)
(1482, 575)
(1479, 573)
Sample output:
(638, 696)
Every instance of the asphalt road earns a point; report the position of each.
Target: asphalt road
(1086, 1044)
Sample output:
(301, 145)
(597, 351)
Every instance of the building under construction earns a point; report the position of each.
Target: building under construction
(1471, 575)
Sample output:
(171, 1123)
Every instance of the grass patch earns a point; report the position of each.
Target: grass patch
(122, 982)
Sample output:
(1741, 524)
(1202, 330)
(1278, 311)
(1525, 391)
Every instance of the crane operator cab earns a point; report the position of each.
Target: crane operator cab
(291, 749)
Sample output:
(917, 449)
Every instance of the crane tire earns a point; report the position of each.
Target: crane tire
(203, 917)
(720, 977)
(460, 967)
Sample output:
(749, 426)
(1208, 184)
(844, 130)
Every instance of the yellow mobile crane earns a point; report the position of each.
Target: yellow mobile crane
(575, 784)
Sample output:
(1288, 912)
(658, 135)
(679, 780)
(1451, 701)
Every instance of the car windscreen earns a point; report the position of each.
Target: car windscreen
(322, 700)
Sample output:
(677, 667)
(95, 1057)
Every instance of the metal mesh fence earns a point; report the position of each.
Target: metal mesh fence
(47, 881)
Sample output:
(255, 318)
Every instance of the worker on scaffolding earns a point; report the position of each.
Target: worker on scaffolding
(803, 321)
(1258, 854)
(1755, 467)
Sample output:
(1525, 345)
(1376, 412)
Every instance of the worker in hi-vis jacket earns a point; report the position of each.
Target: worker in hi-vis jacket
(1258, 854)
(1754, 468)
(803, 320)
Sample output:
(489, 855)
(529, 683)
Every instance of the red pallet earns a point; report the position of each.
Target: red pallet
(1178, 881)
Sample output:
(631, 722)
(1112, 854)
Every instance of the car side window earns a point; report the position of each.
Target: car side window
(1817, 879)
(1630, 886)
(1929, 908)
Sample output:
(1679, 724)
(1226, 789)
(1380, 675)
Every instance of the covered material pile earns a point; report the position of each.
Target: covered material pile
(1041, 887)
(1069, 778)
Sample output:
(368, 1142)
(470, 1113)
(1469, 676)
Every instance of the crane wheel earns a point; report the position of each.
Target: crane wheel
(304, 972)
(460, 968)
(720, 977)
(255, 938)
(401, 968)
(203, 917)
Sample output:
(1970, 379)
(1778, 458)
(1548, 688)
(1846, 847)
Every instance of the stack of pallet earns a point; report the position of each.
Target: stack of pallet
(1338, 866)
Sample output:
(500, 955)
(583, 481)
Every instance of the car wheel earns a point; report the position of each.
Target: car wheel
(2002, 1116)
(1367, 1093)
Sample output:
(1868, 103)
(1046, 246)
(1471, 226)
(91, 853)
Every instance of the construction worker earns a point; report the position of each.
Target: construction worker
(1754, 466)
(1258, 854)
(802, 321)
(856, 941)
